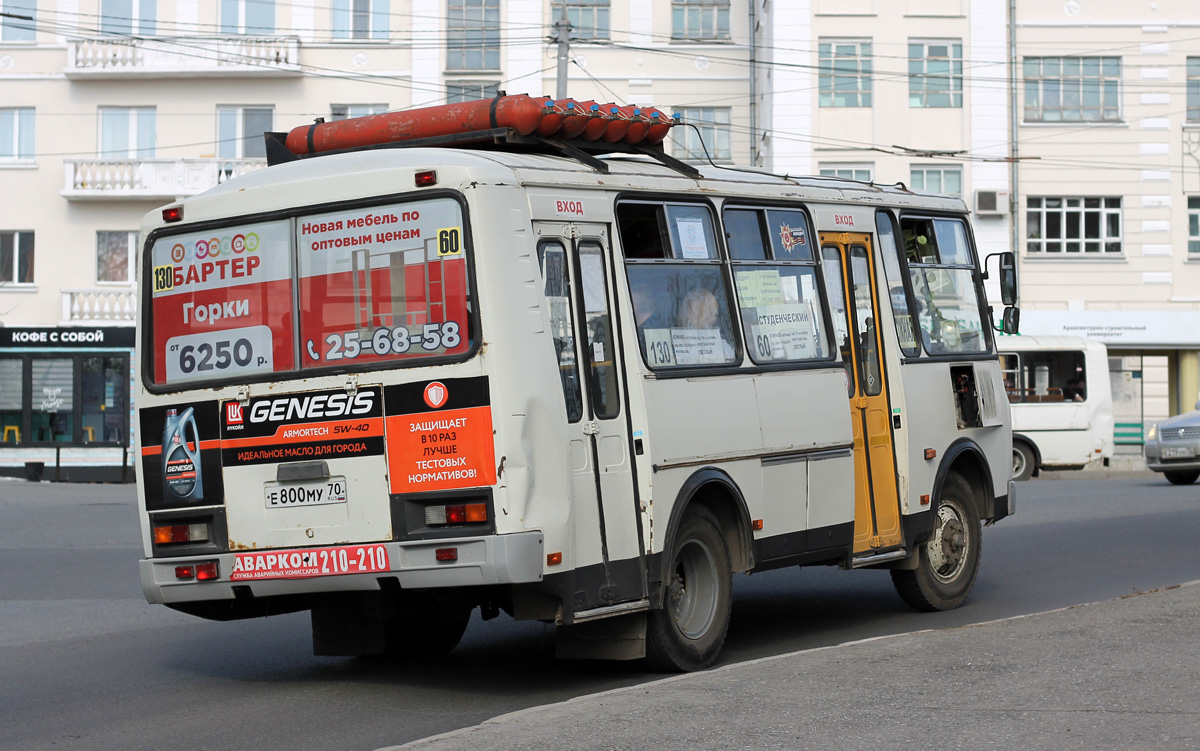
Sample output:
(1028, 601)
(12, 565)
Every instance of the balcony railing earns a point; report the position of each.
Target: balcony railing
(182, 57)
(149, 179)
(113, 305)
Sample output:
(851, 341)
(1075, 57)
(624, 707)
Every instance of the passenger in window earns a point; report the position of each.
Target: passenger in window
(1075, 391)
(700, 311)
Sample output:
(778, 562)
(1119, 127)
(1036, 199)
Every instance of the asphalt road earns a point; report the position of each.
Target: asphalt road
(86, 664)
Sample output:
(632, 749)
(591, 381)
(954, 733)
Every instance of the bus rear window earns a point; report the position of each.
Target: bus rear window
(221, 303)
(380, 284)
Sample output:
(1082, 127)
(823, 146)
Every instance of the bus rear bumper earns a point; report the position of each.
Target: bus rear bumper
(494, 559)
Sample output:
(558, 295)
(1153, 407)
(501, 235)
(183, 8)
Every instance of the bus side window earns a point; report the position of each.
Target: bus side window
(553, 258)
(680, 295)
(777, 290)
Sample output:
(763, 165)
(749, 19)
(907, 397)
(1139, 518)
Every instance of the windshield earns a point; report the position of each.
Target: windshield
(381, 284)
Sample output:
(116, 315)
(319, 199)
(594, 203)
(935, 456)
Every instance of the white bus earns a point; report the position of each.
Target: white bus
(393, 385)
(1061, 401)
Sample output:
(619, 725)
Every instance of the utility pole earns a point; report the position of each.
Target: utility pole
(562, 30)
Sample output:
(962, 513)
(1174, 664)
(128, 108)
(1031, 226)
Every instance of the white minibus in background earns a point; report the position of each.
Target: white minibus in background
(1061, 401)
(575, 380)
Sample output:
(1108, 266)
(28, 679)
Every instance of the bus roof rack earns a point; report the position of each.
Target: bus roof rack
(578, 130)
(499, 139)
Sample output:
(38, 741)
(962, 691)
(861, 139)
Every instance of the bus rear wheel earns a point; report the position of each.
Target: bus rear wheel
(1023, 461)
(949, 560)
(687, 633)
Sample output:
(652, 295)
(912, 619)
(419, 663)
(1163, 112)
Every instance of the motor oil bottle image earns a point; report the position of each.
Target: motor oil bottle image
(181, 458)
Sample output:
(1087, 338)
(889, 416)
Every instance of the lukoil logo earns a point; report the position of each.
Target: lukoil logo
(233, 413)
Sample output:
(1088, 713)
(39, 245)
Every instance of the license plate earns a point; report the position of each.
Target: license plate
(310, 562)
(1178, 452)
(312, 493)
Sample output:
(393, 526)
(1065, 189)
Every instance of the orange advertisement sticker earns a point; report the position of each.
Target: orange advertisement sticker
(441, 450)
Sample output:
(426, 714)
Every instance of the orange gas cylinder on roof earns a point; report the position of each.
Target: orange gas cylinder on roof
(520, 112)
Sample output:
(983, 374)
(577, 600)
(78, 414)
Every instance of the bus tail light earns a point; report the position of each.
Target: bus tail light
(446, 554)
(172, 534)
(425, 179)
(185, 572)
(463, 513)
(207, 571)
(173, 214)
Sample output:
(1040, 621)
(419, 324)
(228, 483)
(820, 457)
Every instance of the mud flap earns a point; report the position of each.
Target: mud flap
(621, 637)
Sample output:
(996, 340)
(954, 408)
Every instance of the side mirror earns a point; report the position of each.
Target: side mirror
(1008, 279)
(1008, 276)
(1012, 322)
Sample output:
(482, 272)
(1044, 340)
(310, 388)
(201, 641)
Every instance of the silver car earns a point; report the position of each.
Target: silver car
(1173, 447)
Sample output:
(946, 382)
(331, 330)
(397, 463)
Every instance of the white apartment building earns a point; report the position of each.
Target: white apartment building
(109, 108)
(1109, 191)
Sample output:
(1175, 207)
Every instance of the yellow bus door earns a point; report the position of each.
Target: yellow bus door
(848, 264)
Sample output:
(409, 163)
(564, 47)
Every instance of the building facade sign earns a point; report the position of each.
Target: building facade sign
(74, 337)
(1161, 329)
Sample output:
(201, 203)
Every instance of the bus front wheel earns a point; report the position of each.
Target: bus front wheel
(687, 633)
(949, 560)
(1023, 461)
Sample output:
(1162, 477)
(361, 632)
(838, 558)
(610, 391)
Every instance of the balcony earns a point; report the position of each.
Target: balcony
(183, 57)
(161, 180)
(114, 305)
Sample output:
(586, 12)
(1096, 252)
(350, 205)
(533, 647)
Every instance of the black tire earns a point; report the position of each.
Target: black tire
(1187, 477)
(1024, 462)
(950, 558)
(687, 633)
(426, 626)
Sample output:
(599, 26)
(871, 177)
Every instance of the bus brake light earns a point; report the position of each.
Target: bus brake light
(446, 554)
(207, 571)
(468, 513)
(171, 534)
(426, 178)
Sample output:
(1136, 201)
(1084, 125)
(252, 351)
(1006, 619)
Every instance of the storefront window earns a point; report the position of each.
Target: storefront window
(11, 414)
(68, 400)
(102, 395)
(52, 400)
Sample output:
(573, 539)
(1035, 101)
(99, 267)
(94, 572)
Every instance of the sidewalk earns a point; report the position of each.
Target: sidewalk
(1119, 674)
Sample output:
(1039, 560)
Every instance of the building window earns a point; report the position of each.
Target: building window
(844, 73)
(1194, 226)
(863, 172)
(588, 18)
(944, 180)
(56, 410)
(1072, 89)
(18, 29)
(128, 16)
(935, 74)
(16, 258)
(1193, 89)
(116, 254)
(247, 16)
(468, 91)
(699, 19)
(473, 39)
(127, 132)
(1073, 226)
(16, 133)
(361, 19)
(240, 132)
(709, 139)
(347, 111)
